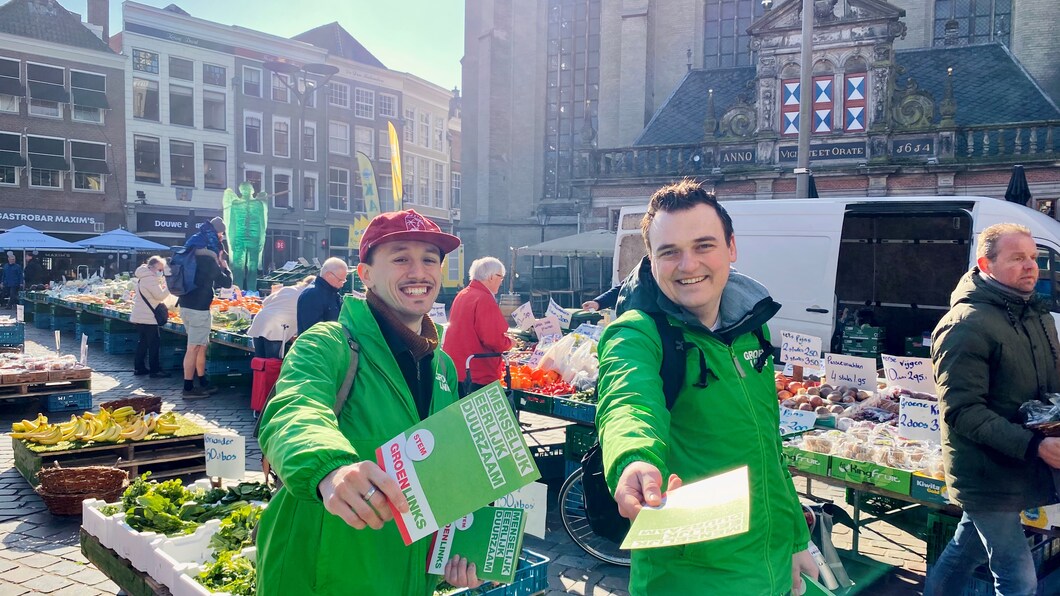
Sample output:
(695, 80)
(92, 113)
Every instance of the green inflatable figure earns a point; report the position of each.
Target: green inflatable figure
(246, 217)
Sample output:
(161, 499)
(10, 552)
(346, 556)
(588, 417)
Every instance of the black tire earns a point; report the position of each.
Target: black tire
(572, 513)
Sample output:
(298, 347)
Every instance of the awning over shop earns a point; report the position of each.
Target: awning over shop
(90, 99)
(41, 161)
(91, 166)
(596, 243)
(10, 158)
(120, 240)
(48, 92)
(25, 237)
(11, 86)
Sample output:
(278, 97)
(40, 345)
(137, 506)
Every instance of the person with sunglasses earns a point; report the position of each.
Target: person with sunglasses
(322, 301)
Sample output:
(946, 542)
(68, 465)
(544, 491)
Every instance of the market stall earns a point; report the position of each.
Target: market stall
(571, 269)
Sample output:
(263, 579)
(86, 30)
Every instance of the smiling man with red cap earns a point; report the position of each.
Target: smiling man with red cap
(326, 530)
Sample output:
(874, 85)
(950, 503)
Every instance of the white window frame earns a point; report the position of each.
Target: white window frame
(290, 190)
(344, 95)
(58, 105)
(316, 141)
(349, 199)
(310, 99)
(316, 187)
(261, 82)
(30, 167)
(364, 108)
(342, 125)
(425, 135)
(410, 130)
(224, 82)
(158, 90)
(229, 156)
(261, 126)
(384, 145)
(424, 180)
(194, 162)
(73, 170)
(393, 100)
(224, 116)
(12, 98)
(438, 185)
(253, 168)
(101, 113)
(17, 169)
(157, 141)
(169, 69)
(273, 79)
(438, 137)
(456, 181)
(359, 145)
(158, 58)
(169, 88)
(281, 120)
(408, 178)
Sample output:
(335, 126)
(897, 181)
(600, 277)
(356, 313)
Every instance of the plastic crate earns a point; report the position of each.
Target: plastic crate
(574, 410)
(12, 335)
(549, 459)
(531, 577)
(116, 326)
(534, 402)
(77, 401)
(579, 440)
(230, 380)
(940, 529)
(224, 367)
(570, 467)
(93, 331)
(63, 323)
(42, 320)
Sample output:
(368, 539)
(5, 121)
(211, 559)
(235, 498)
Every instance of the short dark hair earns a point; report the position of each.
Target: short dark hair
(682, 196)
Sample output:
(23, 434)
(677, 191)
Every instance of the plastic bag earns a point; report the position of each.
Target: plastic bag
(558, 354)
(583, 359)
(1036, 412)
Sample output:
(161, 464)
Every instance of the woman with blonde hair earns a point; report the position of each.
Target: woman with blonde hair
(150, 293)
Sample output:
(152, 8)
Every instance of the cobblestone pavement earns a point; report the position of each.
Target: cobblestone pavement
(39, 552)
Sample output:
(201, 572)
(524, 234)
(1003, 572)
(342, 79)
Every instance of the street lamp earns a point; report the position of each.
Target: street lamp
(806, 92)
(300, 85)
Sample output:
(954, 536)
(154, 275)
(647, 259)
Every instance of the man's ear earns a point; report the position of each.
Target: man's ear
(364, 271)
(984, 264)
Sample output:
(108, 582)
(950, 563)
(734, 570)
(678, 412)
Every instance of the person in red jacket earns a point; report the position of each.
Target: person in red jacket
(476, 325)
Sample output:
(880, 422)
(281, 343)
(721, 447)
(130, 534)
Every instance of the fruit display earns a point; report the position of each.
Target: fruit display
(123, 424)
(877, 443)
(16, 363)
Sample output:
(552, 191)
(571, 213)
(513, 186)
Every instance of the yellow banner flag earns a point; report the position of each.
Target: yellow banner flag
(368, 187)
(395, 166)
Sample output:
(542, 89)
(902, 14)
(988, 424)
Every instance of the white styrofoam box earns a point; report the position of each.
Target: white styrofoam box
(135, 546)
(179, 551)
(250, 552)
(186, 584)
(95, 523)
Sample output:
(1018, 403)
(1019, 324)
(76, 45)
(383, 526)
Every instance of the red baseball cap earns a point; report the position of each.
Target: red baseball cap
(405, 225)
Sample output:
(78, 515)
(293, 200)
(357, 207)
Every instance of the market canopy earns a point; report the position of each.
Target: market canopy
(120, 240)
(27, 238)
(595, 243)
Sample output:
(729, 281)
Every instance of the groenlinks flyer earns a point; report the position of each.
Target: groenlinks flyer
(491, 538)
(456, 461)
(709, 509)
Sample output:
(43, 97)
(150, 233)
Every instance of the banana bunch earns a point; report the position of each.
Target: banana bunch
(45, 434)
(166, 424)
(29, 425)
(104, 427)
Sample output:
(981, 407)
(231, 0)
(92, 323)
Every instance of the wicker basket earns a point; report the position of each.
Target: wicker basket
(145, 403)
(88, 480)
(71, 504)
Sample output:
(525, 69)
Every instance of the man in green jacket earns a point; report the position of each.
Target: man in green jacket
(326, 530)
(725, 416)
(993, 351)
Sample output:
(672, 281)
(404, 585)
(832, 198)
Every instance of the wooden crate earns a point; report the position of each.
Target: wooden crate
(21, 378)
(120, 570)
(77, 374)
(43, 386)
(164, 458)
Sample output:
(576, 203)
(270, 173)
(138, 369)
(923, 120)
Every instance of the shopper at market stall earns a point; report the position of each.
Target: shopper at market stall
(724, 417)
(35, 274)
(326, 530)
(476, 325)
(12, 279)
(277, 321)
(994, 350)
(321, 301)
(211, 272)
(150, 293)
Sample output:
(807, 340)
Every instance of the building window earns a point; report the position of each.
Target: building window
(823, 104)
(181, 106)
(144, 61)
(145, 99)
(425, 130)
(252, 133)
(88, 95)
(726, 42)
(454, 189)
(385, 187)
(424, 190)
(364, 103)
(309, 191)
(181, 163)
(47, 161)
(146, 159)
(309, 141)
(387, 105)
(410, 125)
(438, 140)
(215, 166)
(281, 189)
(439, 185)
(339, 94)
(213, 110)
(214, 75)
(854, 102)
(11, 157)
(972, 21)
(10, 79)
(182, 69)
(45, 178)
(254, 175)
(338, 138)
(281, 137)
(408, 179)
(789, 106)
(338, 189)
(251, 81)
(279, 87)
(8, 176)
(310, 97)
(90, 165)
(357, 195)
(47, 90)
(384, 145)
(364, 140)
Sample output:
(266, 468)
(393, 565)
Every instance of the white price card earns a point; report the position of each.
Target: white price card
(800, 350)
(851, 371)
(523, 316)
(20, 313)
(547, 326)
(84, 349)
(532, 499)
(226, 455)
(793, 422)
(438, 313)
(559, 312)
(914, 374)
(918, 419)
(58, 338)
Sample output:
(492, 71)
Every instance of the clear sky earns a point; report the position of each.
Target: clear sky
(423, 37)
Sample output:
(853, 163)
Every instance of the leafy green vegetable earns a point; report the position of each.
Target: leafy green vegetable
(109, 510)
(244, 491)
(229, 573)
(236, 529)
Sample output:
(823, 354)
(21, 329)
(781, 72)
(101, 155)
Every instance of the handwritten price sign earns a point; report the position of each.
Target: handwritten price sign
(852, 371)
(795, 421)
(800, 350)
(918, 419)
(911, 373)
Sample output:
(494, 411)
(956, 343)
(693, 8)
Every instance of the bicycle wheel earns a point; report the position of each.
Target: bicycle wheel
(572, 513)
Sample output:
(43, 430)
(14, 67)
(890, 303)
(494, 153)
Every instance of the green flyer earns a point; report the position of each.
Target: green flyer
(709, 509)
(456, 461)
(491, 538)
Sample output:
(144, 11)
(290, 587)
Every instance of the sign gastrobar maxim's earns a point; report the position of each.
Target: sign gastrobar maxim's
(827, 151)
(50, 221)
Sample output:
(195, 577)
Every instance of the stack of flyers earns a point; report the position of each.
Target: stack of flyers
(456, 461)
(491, 538)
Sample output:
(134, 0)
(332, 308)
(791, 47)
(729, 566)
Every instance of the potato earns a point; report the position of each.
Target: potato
(781, 385)
(782, 394)
(790, 404)
(816, 401)
(802, 399)
(863, 395)
(813, 390)
(836, 409)
(806, 407)
(802, 391)
(826, 388)
(848, 399)
(822, 411)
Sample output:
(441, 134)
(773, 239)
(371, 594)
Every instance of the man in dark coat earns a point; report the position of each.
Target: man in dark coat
(322, 301)
(993, 351)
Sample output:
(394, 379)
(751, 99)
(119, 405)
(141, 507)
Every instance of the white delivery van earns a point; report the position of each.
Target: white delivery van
(897, 259)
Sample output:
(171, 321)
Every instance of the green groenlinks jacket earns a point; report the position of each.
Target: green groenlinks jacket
(991, 353)
(303, 549)
(732, 422)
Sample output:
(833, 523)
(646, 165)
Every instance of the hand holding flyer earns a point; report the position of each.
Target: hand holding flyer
(491, 538)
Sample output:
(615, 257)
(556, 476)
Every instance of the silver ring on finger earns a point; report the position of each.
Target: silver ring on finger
(368, 495)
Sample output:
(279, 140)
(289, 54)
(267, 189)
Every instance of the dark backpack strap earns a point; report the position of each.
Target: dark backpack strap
(767, 349)
(674, 348)
(351, 372)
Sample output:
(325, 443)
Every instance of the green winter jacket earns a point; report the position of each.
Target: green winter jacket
(991, 353)
(732, 422)
(303, 549)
